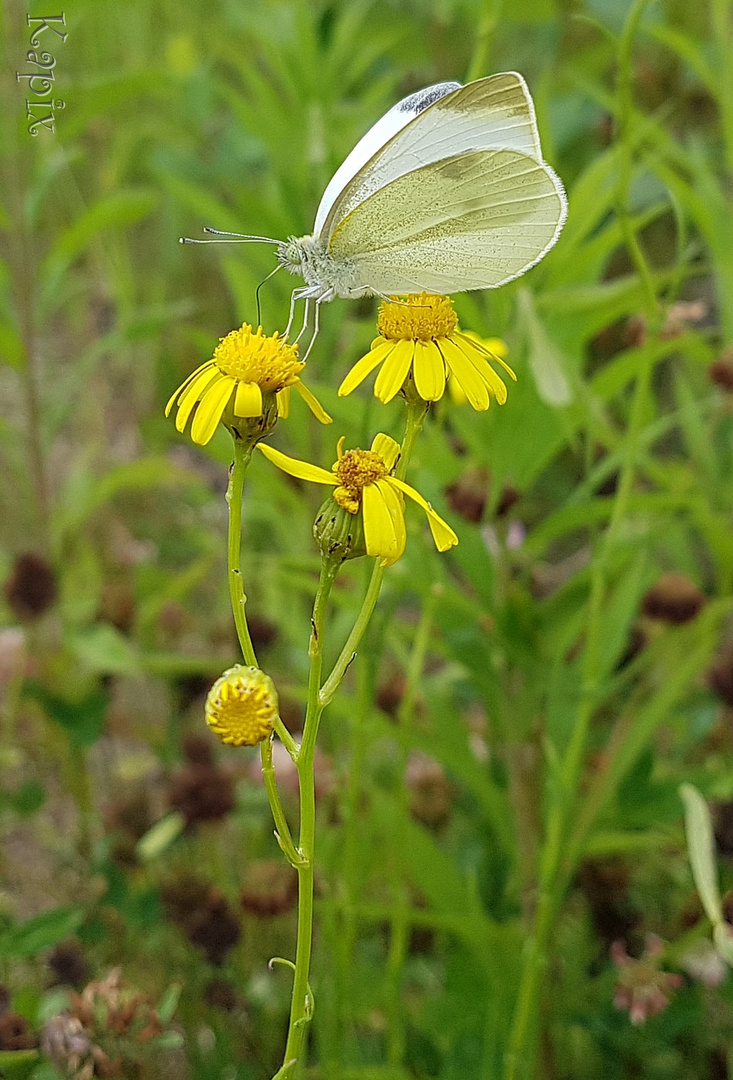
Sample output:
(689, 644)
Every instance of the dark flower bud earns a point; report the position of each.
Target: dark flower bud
(31, 588)
(720, 371)
(14, 1033)
(674, 599)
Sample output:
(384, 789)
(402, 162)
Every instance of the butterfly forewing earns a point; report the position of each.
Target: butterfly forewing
(378, 135)
(469, 221)
(492, 113)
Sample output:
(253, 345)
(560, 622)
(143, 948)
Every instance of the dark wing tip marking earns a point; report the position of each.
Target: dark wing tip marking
(421, 99)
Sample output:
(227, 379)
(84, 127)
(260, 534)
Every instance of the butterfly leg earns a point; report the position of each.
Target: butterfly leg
(294, 297)
(324, 298)
(306, 313)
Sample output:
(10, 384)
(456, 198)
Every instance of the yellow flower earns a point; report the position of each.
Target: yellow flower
(242, 706)
(422, 336)
(362, 481)
(494, 345)
(249, 366)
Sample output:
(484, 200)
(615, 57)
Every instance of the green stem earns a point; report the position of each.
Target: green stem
(301, 1006)
(242, 458)
(283, 835)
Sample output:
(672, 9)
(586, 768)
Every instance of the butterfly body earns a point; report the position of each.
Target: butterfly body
(448, 192)
(325, 276)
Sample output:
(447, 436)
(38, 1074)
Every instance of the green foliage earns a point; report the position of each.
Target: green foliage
(496, 808)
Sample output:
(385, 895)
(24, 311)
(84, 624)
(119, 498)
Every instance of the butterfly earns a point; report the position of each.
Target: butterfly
(448, 192)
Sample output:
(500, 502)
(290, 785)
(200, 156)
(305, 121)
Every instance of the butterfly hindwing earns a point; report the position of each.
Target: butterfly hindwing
(469, 221)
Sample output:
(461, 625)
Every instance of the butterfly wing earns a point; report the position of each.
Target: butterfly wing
(375, 139)
(470, 221)
(441, 121)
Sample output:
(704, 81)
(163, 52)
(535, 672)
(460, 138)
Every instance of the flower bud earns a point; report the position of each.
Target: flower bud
(242, 706)
(339, 533)
(250, 429)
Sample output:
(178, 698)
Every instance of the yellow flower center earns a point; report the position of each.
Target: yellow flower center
(355, 470)
(423, 318)
(242, 706)
(253, 357)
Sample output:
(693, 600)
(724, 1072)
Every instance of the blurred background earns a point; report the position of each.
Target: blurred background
(503, 886)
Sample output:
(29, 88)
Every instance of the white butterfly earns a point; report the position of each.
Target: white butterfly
(447, 192)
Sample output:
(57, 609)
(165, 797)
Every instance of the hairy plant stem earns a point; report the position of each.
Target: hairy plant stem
(242, 458)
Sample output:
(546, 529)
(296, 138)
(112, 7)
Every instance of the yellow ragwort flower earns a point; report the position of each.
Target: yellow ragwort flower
(248, 366)
(242, 706)
(362, 481)
(421, 335)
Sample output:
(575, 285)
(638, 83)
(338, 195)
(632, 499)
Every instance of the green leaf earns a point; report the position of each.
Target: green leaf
(160, 836)
(82, 719)
(700, 845)
(103, 649)
(40, 933)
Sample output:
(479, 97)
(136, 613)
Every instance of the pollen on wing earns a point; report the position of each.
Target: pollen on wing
(423, 317)
(254, 357)
(355, 470)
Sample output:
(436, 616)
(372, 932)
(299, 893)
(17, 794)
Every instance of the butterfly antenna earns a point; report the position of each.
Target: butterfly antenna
(257, 292)
(229, 238)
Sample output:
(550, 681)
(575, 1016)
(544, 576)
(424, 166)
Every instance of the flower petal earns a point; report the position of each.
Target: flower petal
(248, 400)
(443, 535)
(210, 409)
(300, 469)
(196, 390)
(396, 506)
(428, 371)
(387, 448)
(483, 347)
(394, 371)
(380, 534)
(312, 402)
(465, 375)
(283, 403)
(480, 360)
(379, 352)
(185, 383)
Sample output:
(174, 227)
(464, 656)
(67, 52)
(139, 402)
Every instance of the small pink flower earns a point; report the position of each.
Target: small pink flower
(643, 989)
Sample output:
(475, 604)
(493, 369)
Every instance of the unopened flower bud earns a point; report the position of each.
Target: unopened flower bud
(339, 533)
(242, 706)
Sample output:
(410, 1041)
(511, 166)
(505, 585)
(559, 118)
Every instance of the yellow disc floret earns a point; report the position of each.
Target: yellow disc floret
(242, 706)
(423, 318)
(253, 357)
(354, 471)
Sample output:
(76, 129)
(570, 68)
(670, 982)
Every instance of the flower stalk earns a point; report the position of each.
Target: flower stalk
(242, 458)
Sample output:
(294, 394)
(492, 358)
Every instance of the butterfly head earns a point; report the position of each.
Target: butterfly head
(293, 254)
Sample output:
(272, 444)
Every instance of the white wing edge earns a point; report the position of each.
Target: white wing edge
(369, 145)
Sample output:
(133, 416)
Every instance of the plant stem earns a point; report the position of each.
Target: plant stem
(284, 838)
(301, 1005)
(242, 457)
